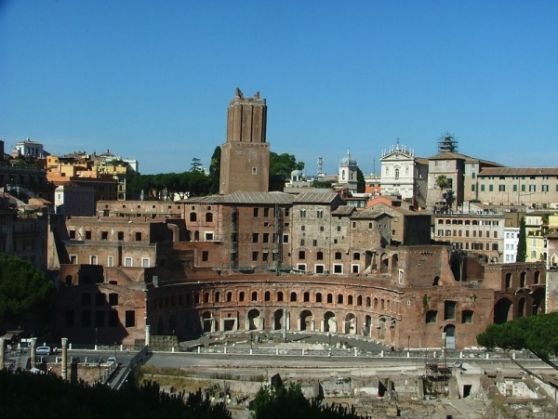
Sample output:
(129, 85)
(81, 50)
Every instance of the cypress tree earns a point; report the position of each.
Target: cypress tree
(522, 244)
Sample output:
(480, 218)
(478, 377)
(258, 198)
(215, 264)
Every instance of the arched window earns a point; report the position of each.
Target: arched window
(293, 296)
(318, 297)
(280, 296)
(396, 173)
(209, 217)
(254, 296)
(193, 216)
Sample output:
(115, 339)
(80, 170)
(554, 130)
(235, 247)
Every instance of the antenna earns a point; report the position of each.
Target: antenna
(320, 171)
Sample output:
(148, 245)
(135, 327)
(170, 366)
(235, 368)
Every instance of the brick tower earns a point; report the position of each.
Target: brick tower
(245, 155)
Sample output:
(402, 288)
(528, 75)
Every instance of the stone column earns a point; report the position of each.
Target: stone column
(1, 353)
(147, 334)
(32, 347)
(64, 366)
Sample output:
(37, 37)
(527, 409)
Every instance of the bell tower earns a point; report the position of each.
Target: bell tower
(245, 155)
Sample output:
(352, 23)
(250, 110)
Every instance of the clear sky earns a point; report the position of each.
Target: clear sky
(151, 80)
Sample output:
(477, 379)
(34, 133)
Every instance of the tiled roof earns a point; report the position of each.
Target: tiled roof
(519, 171)
(315, 197)
(448, 155)
(280, 198)
(343, 210)
(369, 214)
(209, 199)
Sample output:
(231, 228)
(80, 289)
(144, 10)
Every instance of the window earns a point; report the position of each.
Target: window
(255, 237)
(449, 310)
(490, 188)
(256, 211)
(320, 213)
(356, 256)
(515, 188)
(88, 235)
(293, 296)
(320, 255)
(467, 316)
(205, 256)
(285, 238)
(302, 213)
(113, 299)
(209, 217)
(193, 217)
(266, 212)
(306, 297)
(337, 269)
(209, 236)
(482, 188)
(355, 269)
(280, 296)
(338, 255)
(302, 254)
(229, 297)
(254, 296)
(104, 235)
(120, 235)
(72, 234)
(128, 262)
(265, 237)
(93, 260)
(241, 296)
(254, 256)
(431, 316)
(138, 236)
(130, 318)
(85, 299)
(73, 259)
(319, 269)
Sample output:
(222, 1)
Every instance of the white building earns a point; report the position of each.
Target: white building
(403, 174)
(347, 174)
(29, 148)
(511, 239)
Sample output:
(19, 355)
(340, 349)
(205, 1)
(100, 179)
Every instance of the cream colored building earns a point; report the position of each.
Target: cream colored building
(536, 187)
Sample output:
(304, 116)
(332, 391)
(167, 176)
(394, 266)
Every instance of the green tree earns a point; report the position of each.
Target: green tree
(280, 168)
(522, 242)
(442, 182)
(361, 184)
(279, 401)
(196, 165)
(24, 290)
(215, 171)
(538, 333)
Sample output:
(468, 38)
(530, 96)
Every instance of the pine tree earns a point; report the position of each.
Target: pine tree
(522, 244)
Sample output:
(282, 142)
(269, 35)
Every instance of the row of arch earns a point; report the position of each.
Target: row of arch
(381, 327)
(239, 296)
(522, 305)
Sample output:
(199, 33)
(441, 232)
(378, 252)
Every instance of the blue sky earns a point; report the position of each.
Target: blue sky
(151, 80)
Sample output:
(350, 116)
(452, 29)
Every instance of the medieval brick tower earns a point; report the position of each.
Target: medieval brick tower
(245, 155)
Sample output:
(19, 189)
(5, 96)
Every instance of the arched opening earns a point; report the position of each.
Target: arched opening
(293, 297)
(368, 301)
(229, 296)
(436, 281)
(280, 296)
(267, 296)
(523, 280)
(449, 331)
(206, 297)
(502, 311)
(217, 296)
(375, 303)
(209, 217)
(359, 300)
(330, 323)
(330, 298)
(193, 217)
(521, 307)
(306, 297)
(318, 297)
(254, 296)
(254, 320)
(306, 320)
(382, 328)
(207, 322)
(367, 325)
(340, 299)
(538, 302)
(536, 277)
(278, 320)
(350, 324)
(508, 280)
(384, 263)
(350, 300)
(394, 263)
(196, 236)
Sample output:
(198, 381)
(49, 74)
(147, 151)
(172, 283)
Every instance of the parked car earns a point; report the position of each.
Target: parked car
(43, 350)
